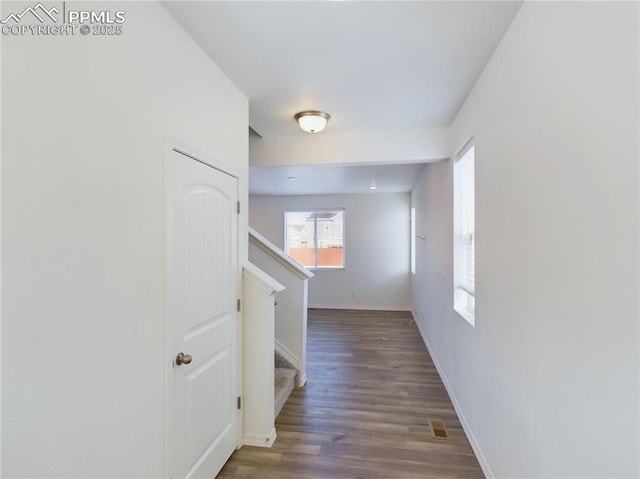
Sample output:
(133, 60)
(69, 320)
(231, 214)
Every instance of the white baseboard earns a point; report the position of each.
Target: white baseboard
(303, 380)
(288, 354)
(259, 440)
(463, 421)
(355, 306)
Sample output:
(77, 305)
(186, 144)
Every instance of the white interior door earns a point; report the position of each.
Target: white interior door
(202, 290)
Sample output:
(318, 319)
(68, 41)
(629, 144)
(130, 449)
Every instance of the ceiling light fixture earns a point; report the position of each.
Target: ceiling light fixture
(372, 186)
(312, 121)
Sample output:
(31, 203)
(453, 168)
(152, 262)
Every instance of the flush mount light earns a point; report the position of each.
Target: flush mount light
(312, 121)
(372, 186)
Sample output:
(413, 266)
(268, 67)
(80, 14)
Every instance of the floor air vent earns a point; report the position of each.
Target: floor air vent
(438, 429)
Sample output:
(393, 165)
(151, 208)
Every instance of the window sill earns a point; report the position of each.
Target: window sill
(464, 305)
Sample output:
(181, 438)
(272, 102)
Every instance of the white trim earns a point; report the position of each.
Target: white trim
(258, 440)
(294, 360)
(168, 348)
(356, 306)
(475, 445)
(464, 148)
(202, 157)
(1, 296)
(261, 279)
(271, 249)
(464, 304)
(288, 354)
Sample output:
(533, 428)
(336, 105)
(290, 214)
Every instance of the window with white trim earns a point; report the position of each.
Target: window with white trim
(315, 239)
(413, 239)
(464, 233)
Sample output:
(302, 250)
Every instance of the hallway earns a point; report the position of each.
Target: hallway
(365, 411)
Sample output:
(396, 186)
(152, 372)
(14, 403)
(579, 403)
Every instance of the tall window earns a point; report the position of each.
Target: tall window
(315, 239)
(413, 239)
(464, 232)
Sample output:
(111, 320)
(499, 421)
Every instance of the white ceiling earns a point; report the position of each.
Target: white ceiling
(333, 179)
(372, 65)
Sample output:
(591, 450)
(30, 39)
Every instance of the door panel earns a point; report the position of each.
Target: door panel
(208, 255)
(202, 273)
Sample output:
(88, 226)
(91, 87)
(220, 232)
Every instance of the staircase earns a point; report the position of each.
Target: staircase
(275, 319)
(286, 379)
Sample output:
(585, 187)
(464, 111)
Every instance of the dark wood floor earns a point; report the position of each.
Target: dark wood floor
(365, 411)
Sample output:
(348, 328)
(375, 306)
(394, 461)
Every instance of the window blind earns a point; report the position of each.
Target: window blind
(465, 250)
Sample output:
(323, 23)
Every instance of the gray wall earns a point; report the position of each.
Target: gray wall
(376, 250)
(547, 381)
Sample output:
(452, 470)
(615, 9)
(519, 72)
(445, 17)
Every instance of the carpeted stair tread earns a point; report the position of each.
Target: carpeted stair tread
(281, 361)
(285, 381)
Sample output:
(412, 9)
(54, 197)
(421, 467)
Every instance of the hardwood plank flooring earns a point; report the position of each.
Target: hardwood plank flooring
(365, 410)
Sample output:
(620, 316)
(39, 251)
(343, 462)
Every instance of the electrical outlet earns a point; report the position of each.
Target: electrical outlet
(353, 295)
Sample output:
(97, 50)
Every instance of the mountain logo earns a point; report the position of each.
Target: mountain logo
(39, 11)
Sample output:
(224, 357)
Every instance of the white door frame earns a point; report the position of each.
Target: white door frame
(178, 146)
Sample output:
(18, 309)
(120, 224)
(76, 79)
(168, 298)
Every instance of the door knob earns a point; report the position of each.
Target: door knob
(182, 358)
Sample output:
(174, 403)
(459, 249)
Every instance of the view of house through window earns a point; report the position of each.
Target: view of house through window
(315, 239)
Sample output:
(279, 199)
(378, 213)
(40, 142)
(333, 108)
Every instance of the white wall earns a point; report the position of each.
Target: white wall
(402, 146)
(85, 124)
(376, 250)
(547, 381)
